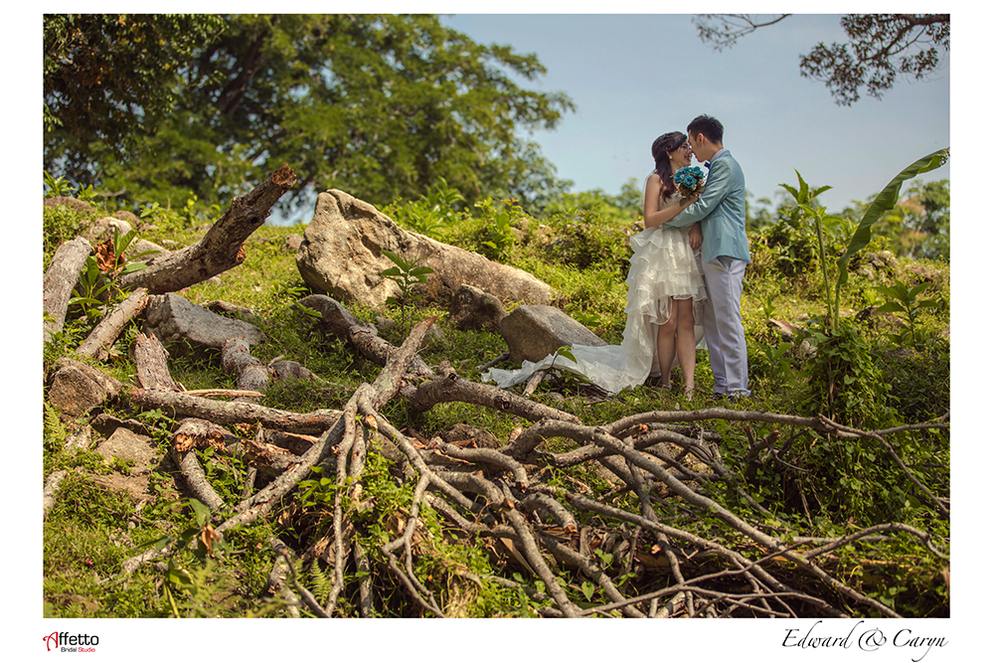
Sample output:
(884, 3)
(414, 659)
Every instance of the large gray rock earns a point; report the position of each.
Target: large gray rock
(535, 332)
(342, 255)
(172, 317)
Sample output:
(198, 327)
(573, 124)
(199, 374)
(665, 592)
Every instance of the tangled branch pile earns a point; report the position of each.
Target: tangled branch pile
(506, 498)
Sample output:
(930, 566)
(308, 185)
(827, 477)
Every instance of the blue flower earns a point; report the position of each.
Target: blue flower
(689, 180)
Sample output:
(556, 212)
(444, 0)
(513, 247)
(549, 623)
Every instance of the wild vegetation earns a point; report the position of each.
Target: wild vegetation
(825, 493)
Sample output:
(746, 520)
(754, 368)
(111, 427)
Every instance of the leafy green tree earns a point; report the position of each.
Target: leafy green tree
(379, 106)
(112, 78)
(930, 224)
(880, 48)
(624, 208)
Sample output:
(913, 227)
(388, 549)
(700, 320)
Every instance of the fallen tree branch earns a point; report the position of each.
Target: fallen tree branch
(100, 340)
(151, 368)
(192, 434)
(447, 387)
(362, 336)
(444, 385)
(220, 249)
(60, 279)
(237, 360)
(179, 404)
(383, 389)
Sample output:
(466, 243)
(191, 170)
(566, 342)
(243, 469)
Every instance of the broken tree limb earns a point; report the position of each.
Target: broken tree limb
(60, 279)
(151, 368)
(384, 388)
(447, 386)
(189, 436)
(227, 393)
(444, 387)
(220, 249)
(192, 433)
(237, 360)
(178, 404)
(100, 340)
(362, 336)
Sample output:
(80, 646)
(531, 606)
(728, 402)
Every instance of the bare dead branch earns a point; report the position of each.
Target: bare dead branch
(220, 249)
(100, 340)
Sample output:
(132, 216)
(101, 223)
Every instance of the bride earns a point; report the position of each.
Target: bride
(665, 294)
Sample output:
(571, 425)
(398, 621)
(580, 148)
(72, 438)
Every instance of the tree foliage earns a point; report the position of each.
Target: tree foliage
(381, 106)
(880, 48)
(112, 78)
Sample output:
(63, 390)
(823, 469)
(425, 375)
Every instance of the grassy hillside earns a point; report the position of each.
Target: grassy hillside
(878, 370)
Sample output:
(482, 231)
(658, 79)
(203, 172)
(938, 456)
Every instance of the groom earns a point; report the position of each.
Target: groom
(725, 254)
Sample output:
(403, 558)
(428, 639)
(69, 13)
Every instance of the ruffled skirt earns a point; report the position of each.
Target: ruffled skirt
(663, 266)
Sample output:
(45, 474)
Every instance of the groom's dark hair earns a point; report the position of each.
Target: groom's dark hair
(707, 125)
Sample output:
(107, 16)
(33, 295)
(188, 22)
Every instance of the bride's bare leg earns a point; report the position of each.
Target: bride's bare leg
(686, 345)
(666, 345)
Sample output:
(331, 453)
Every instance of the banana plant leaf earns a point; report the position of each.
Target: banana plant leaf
(884, 201)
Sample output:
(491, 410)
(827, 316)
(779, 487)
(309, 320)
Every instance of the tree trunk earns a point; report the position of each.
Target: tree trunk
(220, 249)
(60, 279)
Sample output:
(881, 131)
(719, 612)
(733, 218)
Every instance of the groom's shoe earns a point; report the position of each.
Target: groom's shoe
(739, 398)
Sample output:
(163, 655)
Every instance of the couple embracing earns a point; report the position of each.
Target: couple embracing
(716, 235)
(685, 279)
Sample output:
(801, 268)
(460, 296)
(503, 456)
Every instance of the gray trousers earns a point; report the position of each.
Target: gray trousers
(723, 325)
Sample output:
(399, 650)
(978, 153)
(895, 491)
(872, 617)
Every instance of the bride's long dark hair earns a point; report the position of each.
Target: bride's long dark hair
(668, 142)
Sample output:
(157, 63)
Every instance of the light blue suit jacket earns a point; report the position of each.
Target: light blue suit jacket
(721, 211)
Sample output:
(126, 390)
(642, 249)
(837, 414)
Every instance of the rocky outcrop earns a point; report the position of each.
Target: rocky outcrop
(342, 255)
(535, 332)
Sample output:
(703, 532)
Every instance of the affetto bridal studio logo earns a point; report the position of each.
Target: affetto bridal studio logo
(71, 642)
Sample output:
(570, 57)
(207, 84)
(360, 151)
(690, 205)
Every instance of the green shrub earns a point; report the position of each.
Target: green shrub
(919, 382)
(61, 224)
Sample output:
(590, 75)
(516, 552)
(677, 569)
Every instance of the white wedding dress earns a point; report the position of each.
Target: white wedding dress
(662, 266)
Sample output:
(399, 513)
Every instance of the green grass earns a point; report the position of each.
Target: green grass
(91, 530)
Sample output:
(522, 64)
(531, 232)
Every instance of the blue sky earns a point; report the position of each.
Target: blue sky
(635, 76)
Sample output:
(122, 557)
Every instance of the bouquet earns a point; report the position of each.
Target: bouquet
(689, 180)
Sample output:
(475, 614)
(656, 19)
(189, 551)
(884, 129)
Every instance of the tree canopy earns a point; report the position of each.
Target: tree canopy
(381, 106)
(880, 48)
(112, 78)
